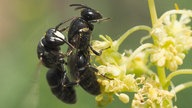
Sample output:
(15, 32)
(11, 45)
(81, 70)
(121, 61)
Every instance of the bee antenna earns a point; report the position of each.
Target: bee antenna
(57, 26)
(79, 6)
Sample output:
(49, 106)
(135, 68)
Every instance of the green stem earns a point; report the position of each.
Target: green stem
(182, 87)
(130, 31)
(152, 10)
(162, 77)
(178, 72)
(139, 50)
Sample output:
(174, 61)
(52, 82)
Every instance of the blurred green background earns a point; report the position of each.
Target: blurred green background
(24, 22)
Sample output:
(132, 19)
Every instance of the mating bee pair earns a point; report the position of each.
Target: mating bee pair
(78, 55)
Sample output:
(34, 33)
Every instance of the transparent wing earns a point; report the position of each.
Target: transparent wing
(32, 98)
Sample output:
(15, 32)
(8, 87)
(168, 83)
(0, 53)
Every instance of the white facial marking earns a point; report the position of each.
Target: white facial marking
(52, 39)
(41, 44)
(59, 34)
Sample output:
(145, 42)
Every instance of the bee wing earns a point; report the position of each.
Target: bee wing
(32, 98)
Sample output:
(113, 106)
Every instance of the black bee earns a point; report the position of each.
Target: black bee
(49, 53)
(79, 35)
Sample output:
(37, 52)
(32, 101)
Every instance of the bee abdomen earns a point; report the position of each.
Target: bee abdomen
(65, 94)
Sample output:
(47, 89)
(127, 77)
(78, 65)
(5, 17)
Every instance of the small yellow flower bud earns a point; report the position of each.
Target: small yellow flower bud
(123, 97)
(178, 60)
(99, 98)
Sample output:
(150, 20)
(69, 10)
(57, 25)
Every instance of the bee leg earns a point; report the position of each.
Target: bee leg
(96, 70)
(96, 52)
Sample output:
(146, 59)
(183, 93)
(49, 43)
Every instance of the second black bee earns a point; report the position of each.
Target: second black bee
(79, 36)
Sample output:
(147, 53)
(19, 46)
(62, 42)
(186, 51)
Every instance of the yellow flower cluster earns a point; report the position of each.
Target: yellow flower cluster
(172, 38)
(152, 95)
(113, 66)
